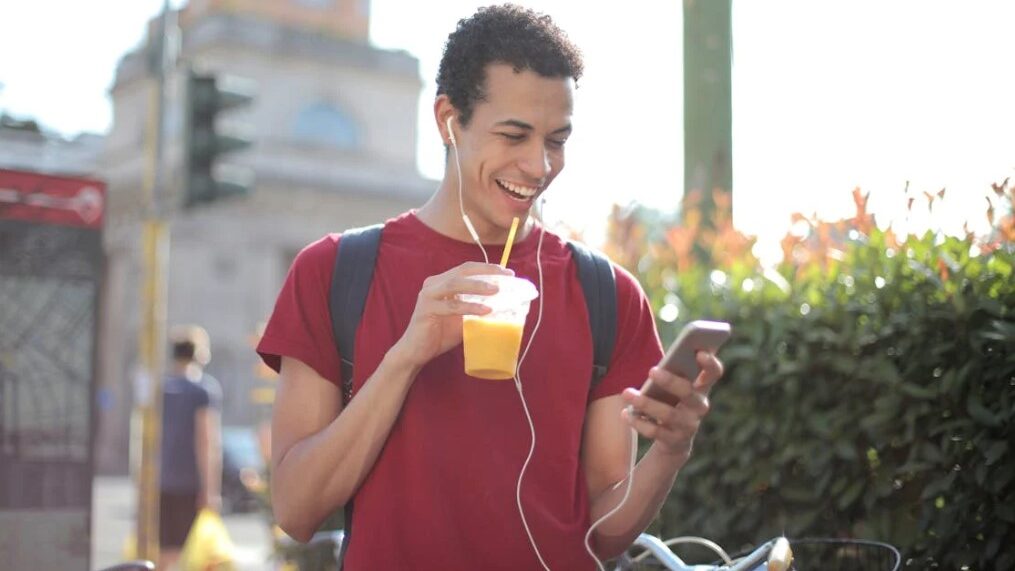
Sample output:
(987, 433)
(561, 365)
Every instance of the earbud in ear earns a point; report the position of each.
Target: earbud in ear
(451, 133)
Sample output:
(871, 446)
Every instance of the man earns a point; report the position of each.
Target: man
(191, 462)
(430, 456)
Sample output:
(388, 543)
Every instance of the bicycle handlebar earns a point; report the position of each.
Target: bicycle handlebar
(659, 550)
(652, 544)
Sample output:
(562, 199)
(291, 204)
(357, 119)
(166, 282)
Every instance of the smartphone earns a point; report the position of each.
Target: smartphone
(680, 357)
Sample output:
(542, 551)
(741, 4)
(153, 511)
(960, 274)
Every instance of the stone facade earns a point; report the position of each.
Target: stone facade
(334, 122)
(37, 151)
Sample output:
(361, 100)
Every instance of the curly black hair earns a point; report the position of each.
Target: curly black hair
(510, 34)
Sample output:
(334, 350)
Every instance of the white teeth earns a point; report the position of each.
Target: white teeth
(521, 190)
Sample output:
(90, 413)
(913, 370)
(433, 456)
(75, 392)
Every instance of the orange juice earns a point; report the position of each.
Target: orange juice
(491, 347)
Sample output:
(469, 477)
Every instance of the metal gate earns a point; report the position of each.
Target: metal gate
(50, 274)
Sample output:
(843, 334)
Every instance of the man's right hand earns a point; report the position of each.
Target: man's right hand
(436, 323)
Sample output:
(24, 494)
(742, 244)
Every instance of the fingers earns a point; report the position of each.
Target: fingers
(452, 286)
(644, 426)
(692, 407)
(677, 438)
(439, 295)
(460, 280)
(670, 383)
(711, 370)
(673, 426)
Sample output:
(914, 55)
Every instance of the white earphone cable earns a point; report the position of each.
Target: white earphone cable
(627, 493)
(461, 203)
(518, 382)
(521, 395)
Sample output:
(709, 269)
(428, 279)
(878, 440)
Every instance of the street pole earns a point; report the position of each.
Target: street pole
(708, 107)
(152, 342)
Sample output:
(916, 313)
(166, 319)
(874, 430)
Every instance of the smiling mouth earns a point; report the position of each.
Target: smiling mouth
(517, 191)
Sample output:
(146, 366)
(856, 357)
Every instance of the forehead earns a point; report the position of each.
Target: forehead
(525, 94)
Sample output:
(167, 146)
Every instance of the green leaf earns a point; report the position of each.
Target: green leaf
(918, 392)
(1002, 477)
(1001, 331)
(981, 474)
(799, 493)
(839, 485)
(875, 422)
(844, 449)
(931, 452)
(936, 487)
(996, 451)
(851, 494)
(949, 382)
(818, 423)
(980, 413)
(913, 467)
(956, 425)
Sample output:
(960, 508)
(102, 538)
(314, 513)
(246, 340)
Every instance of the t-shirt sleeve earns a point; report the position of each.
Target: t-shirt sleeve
(210, 394)
(637, 347)
(300, 325)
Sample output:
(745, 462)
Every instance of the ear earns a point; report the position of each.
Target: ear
(443, 110)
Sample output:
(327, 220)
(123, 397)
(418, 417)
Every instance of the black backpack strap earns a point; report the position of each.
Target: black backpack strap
(600, 287)
(350, 283)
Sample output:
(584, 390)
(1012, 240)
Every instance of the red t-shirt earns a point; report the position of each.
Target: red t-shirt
(441, 494)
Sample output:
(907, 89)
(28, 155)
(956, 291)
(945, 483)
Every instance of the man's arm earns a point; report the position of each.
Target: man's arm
(606, 453)
(208, 448)
(320, 453)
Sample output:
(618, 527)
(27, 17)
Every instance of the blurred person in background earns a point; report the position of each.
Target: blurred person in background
(191, 462)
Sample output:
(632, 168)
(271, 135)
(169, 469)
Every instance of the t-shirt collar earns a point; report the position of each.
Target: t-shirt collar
(430, 238)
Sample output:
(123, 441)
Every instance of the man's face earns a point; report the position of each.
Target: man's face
(513, 146)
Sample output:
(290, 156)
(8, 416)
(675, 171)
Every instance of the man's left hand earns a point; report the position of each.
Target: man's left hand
(674, 427)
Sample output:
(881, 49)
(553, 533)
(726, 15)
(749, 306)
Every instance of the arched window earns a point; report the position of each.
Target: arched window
(326, 125)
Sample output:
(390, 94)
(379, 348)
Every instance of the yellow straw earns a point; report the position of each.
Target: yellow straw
(510, 241)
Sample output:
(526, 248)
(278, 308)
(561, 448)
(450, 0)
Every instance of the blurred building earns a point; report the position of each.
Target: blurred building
(335, 128)
(26, 146)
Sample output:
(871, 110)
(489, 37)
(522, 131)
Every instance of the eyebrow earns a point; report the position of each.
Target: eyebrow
(523, 125)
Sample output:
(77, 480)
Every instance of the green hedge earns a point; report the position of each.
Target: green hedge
(869, 392)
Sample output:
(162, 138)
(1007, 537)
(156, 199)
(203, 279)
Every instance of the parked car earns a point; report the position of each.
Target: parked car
(243, 469)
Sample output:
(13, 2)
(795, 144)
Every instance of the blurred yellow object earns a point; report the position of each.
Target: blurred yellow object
(129, 550)
(208, 546)
(262, 395)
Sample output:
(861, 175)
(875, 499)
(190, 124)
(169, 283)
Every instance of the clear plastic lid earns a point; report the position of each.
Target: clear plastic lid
(513, 291)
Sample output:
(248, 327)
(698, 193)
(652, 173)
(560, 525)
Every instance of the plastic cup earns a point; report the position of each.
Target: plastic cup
(491, 342)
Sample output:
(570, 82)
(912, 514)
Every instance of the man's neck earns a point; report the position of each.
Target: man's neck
(442, 213)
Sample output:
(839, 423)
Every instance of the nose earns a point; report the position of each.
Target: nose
(536, 162)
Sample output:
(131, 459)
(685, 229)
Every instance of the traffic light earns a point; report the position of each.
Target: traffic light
(206, 141)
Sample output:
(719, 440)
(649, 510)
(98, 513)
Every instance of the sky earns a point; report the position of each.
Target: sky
(827, 96)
